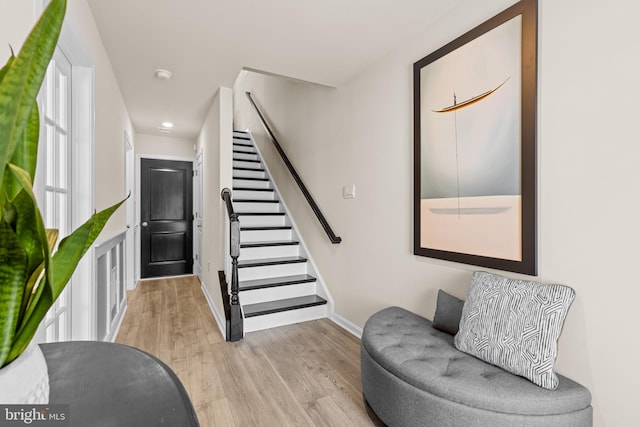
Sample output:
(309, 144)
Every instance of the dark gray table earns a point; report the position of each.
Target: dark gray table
(107, 384)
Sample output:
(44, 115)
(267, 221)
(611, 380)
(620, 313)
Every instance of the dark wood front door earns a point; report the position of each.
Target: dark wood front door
(166, 235)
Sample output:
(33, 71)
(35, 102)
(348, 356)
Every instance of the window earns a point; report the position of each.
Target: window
(57, 204)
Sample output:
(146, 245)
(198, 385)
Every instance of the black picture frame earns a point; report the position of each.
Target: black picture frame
(475, 145)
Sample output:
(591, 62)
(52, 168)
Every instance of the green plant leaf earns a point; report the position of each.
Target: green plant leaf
(21, 82)
(27, 228)
(4, 69)
(74, 246)
(25, 154)
(38, 307)
(30, 288)
(63, 264)
(12, 278)
(32, 229)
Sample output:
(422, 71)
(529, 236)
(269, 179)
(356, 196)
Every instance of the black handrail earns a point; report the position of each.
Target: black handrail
(312, 203)
(234, 233)
(226, 196)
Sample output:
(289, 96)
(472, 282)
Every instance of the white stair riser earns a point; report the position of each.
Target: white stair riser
(249, 165)
(254, 195)
(267, 321)
(279, 292)
(263, 235)
(249, 183)
(249, 174)
(256, 207)
(269, 252)
(262, 220)
(239, 134)
(252, 273)
(245, 156)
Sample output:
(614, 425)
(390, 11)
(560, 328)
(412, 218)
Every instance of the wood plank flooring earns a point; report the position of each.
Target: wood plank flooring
(306, 374)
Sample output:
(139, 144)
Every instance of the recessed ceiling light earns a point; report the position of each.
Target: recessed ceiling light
(163, 74)
(167, 125)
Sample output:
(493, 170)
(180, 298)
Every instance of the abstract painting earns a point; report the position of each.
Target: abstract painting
(474, 145)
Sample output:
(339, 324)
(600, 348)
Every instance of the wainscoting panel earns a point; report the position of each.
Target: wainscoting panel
(111, 296)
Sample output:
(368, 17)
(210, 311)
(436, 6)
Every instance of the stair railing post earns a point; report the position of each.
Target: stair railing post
(236, 332)
(235, 253)
(236, 313)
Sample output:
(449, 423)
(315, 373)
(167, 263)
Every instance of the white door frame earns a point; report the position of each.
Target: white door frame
(129, 161)
(197, 216)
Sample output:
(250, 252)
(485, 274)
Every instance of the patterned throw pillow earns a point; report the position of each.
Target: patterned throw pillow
(514, 324)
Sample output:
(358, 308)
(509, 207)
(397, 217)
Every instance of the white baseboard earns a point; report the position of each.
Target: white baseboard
(347, 325)
(150, 279)
(220, 320)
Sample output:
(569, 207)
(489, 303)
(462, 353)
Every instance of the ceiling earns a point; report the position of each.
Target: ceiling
(206, 43)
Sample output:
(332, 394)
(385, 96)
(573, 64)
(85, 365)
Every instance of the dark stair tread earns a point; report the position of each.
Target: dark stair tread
(252, 179)
(278, 306)
(266, 227)
(260, 213)
(239, 168)
(252, 189)
(272, 282)
(261, 262)
(255, 201)
(244, 152)
(246, 160)
(243, 137)
(269, 243)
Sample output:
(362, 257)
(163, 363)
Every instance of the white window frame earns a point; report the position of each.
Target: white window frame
(83, 306)
(56, 152)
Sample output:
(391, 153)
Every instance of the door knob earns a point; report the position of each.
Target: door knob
(144, 224)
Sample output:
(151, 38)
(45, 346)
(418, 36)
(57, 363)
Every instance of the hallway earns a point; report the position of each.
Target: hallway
(306, 374)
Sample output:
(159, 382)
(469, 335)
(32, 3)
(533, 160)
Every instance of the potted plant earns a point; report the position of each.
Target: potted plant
(31, 275)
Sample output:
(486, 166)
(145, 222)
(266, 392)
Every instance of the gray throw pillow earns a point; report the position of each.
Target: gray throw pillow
(515, 324)
(448, 313)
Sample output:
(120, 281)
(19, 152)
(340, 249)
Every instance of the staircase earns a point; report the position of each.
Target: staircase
(276, 280)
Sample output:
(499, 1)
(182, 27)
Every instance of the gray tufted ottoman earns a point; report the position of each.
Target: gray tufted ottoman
(412, 375)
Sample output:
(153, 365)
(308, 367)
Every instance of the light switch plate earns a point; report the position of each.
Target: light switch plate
(349, 191)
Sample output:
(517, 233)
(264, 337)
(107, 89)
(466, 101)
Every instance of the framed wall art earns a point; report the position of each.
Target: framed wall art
(475, 145)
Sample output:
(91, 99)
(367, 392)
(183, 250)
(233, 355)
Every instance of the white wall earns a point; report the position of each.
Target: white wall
(588, 204)
(16, 19)
(166, 146)
(111, 120)
(217, 124)
(226, 139)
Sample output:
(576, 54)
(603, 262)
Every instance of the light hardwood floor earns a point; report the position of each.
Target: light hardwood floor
(306, 374)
